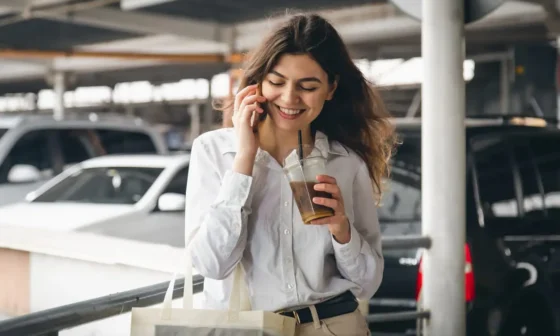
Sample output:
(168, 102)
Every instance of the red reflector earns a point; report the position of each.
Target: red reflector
(469, 277)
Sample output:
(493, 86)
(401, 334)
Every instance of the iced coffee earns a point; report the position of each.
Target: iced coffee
(302, 175)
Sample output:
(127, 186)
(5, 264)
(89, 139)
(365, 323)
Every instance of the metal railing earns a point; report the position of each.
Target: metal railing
(50, 322)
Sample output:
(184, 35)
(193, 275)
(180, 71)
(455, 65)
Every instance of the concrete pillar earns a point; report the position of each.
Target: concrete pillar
(443, 166)
(208, 109)
(194, 111)
(59, 88)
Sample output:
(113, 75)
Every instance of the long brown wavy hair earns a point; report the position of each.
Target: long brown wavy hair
(356, 116)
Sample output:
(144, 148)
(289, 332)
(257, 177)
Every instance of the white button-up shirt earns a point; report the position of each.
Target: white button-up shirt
(254, 219)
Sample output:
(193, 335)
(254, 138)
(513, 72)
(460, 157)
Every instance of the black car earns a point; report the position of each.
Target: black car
(512, 266)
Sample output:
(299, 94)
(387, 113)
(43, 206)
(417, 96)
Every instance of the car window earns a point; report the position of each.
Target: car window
(494, 168)
(30, 149)
(106, 185)
(178, 183)
(3, 131)
(526, 167)
(542, 191)
(133, 142)
(73, 146)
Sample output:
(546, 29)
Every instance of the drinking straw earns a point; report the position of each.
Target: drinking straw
(300, 148)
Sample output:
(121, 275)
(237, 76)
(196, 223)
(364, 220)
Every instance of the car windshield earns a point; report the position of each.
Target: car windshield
(104, 185)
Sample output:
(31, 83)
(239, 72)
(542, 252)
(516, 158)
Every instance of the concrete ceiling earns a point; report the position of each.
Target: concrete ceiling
(371, 28)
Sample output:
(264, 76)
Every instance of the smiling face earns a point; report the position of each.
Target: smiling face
(296, 90)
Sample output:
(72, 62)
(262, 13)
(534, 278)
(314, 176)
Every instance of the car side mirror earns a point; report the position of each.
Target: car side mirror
(22, 173)
(171, 202)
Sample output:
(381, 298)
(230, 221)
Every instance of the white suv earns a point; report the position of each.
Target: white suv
(34, 148)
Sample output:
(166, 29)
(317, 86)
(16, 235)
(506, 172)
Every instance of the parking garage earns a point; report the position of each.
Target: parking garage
(468, 236)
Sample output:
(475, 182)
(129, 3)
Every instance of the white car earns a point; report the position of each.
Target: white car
(120, 195)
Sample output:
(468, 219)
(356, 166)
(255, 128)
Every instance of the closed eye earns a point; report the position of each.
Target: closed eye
(303, 88)
(309, 89)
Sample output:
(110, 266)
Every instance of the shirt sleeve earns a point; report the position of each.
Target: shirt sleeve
(361, 260)
(216, 212)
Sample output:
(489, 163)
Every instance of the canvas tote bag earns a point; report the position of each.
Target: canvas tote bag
(238, 320)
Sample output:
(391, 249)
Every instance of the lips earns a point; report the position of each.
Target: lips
(288, 113)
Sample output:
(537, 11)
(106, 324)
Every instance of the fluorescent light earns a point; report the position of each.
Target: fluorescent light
(135, 4)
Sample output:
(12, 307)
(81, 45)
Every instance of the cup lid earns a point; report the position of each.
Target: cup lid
(309, 151)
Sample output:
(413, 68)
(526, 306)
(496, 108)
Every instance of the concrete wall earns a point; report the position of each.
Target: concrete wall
(58, 281)
(14, 282)
(41, 269)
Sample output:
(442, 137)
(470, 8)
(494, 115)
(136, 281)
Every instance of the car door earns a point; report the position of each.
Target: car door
(519, 187)
(166, 227)
(536, 235)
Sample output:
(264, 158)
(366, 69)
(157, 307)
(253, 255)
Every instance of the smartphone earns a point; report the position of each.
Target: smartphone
(256, 118)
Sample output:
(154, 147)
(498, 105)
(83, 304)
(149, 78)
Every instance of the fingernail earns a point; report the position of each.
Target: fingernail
(316, 187)
(315, 199)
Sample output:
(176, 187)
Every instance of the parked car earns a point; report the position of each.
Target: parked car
(512, 266)
(115, 195)
(34, 148)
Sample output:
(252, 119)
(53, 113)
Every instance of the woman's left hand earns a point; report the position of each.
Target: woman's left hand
(338, 223)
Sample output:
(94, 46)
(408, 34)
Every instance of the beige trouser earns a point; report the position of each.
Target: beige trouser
(352, 324)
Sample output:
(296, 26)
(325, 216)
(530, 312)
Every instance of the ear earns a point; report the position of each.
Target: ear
(332, 88)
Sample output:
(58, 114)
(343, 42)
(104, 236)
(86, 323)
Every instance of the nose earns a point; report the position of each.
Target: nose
(290, 95)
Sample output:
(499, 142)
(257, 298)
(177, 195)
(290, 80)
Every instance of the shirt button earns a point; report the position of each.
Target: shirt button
(290, 286)
(285, 204)
(286, 232)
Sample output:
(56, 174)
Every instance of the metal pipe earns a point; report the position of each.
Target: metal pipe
(181, 58)
(405, 242)
(443, 166)
(400, 316)
(51, 321)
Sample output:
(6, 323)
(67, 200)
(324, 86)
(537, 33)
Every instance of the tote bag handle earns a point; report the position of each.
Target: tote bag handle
(239, 297)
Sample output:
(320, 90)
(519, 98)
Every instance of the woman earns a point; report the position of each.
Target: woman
(239, 204)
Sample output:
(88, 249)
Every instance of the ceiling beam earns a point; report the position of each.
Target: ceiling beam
(357, 25)
(360, 24)
(135, 22)
(165, 57)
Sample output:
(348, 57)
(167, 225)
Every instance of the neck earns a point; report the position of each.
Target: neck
(279, 142)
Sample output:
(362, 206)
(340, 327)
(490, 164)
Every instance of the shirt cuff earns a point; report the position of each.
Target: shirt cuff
(349, 252)
(235, 189)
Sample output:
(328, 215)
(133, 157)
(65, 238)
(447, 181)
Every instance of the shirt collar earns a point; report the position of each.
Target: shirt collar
(321, 143)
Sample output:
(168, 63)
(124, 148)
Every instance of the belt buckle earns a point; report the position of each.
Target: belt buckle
(296, 316)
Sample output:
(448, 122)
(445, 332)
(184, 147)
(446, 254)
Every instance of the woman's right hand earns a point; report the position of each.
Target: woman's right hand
(246, 101)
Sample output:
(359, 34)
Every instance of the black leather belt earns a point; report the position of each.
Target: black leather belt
(344, 303)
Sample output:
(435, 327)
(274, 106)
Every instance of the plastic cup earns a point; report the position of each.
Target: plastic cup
(302, 175)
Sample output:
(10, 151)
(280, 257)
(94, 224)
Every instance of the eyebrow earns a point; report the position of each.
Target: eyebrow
(306, 79)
